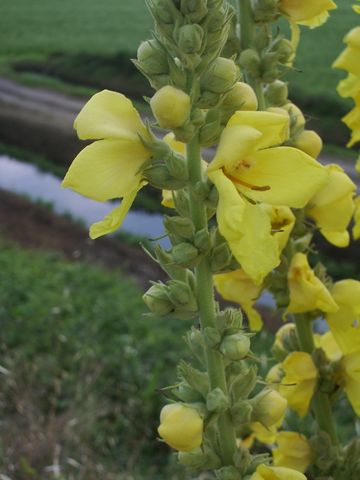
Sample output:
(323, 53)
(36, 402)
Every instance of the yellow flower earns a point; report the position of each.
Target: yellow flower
(309, 142)
(311, 13)
(349, 59)
(238, 287)
(349, 87)
(264, 472)
(265, 435)
(282, 222)
(351, 366)
(269, 407)
(171, 107)
(356, 227)
(293, 451)
(111, 166)
(333, 206)
(181, 427)
(244, 167)
(307, 292)
(329, 345)
(352, 120)
(299, 382)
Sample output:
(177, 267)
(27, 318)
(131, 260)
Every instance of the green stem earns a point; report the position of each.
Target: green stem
(246, 21)
(206, 301)
(321, 405)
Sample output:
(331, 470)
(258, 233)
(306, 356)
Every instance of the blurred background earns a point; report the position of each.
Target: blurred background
(80, 365)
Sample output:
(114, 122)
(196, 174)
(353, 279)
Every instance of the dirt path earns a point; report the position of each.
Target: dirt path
(34, 227)
(42, 120)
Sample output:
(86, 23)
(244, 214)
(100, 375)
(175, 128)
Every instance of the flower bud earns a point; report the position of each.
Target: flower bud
(185, 254)
(200, 459)
(171, 107)
(186, 393)
(222, 76)
(277, 93)
(151, 58)
(228, 473)
(250, 61)
(241, 412)
(208, 100)
(159, 176)
(309, 142)
(180, 226)
(190, 38)
(198, 380)
(202, 240)
(212, 336)
(210, 132)
(284, 51)
(181, 294)
(244, 384)
(297, 119)
(268, 407)
(217, 401)
(195, 340)
(177, 167)
(181, 427)
(195, 10)
(164, 11)
(235, 347)
(220, 257)
(240, 97)
(286, 341)
(157, 300)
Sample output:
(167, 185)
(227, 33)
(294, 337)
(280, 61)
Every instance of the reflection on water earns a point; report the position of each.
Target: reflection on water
(24, 178)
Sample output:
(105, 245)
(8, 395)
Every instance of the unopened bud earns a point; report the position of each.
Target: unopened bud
(277, 93)
(195, 341)
(187, 394)
(244, 383)
(180, 226)
(297, 119)
(200, 459)
(235, 347)
(217, 401)
(177, 167)
(171, 107)
(165, 11)
(222, 76)
(157, 300)
(180, 293)
(240, 97)
(195, 10)
(181, 427)
(220, 258)
(212, 336)
(185, 254)
(228, 473)
(195, 378)
(284, 51)
(265, 10)
(210, 131)
(208, 100)
(151, 58)
(159, 176)
(190, 38)
(250, 61)
(309, 142)
(202, 240)
(268, 407)
(241, 412)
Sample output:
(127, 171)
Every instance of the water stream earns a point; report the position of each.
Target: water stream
(26, 179)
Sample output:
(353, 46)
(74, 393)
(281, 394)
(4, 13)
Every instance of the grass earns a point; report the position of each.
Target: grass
(81, 366)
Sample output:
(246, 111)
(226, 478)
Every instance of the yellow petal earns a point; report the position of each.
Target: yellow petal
(107, 169)
(316, 21)
(349, 87)
(349, 60)
(264, 472)
(236, 144)
(330, 346)
(299, 382)
(238, 287)
(351, 364)
(114, 219)
(356, 228)
(282, 222)
(109, 115)
(292, 175)
(307, 292)
(345, 323)
(265, 435)
(175, 145)
(247, 229)
(333, 206)
(274, 127)
(305, 10)
(293, 451)
(167, 199)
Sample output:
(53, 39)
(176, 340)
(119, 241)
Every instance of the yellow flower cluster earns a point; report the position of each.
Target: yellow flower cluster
(349, 60)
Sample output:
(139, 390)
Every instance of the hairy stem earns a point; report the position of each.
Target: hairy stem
(206, 302)
(321, 405)
(246, 22)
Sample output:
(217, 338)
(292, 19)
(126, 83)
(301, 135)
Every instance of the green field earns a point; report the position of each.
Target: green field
(39, 28)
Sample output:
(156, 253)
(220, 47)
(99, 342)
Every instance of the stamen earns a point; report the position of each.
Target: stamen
(258, 188)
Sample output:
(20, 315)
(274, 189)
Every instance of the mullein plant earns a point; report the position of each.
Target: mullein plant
(242, 222)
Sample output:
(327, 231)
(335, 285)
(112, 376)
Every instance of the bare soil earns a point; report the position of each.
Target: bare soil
(32, 226)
